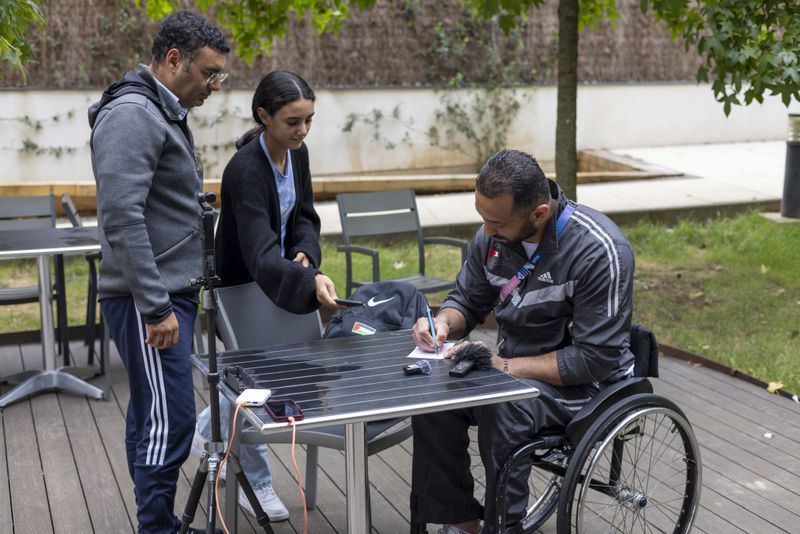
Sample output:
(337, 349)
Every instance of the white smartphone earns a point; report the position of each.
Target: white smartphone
(253, 397)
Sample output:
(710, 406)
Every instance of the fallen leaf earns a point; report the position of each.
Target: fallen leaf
(696, 295)
(773, 387)
(780, 291)
(718, 267)
(706, 347)
(764, 269)
(399, 264)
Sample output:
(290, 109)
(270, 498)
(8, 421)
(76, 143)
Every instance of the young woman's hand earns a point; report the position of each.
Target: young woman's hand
(302, 258)
(326, 291)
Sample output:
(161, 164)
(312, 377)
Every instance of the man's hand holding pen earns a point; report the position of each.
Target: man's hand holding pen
(423, 337)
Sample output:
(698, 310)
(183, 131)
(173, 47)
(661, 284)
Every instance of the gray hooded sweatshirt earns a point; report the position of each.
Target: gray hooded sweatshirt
(148, 174)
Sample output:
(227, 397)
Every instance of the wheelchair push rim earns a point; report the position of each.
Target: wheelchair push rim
(639, 471)
(544, 489)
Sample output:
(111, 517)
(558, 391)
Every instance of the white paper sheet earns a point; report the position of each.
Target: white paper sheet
(418, 353)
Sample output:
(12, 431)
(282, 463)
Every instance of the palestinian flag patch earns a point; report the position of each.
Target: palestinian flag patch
(362, 330)
(494, 255)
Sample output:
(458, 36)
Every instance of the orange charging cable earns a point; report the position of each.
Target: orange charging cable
(221, 467)
(299, 477)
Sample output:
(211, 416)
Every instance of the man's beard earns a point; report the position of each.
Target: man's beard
(525, 232)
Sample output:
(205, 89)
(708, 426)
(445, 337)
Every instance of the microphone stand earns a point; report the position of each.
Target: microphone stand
(210, 462)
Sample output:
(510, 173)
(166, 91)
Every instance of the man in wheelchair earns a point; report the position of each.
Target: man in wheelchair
(559, 278)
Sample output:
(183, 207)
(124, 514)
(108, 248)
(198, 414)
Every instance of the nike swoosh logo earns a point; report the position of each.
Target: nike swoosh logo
(372, 302)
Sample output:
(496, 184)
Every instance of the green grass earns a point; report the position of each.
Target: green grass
(17, 273)
(727, 289)
(398, 258)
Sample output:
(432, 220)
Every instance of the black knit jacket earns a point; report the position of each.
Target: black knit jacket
(248, 236)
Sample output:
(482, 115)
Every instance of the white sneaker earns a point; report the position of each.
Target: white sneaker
(199, 449)
(198, 444)
(269, 501)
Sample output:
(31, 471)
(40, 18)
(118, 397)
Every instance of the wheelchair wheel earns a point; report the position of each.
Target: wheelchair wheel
(637, 469)
(544, 491)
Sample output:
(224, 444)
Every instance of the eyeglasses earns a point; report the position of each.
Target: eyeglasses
(215, 77)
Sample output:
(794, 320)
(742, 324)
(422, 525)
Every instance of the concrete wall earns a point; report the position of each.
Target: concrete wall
(609, 116)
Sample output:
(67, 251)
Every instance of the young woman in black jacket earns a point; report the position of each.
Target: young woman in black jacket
(268, 228)
(269, 232)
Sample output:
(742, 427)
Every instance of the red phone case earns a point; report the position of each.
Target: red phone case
(283, 418)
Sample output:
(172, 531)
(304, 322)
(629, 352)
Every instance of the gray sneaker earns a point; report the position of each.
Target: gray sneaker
(269, 501)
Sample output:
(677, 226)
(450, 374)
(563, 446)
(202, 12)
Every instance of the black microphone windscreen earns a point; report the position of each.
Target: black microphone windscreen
(474, 352)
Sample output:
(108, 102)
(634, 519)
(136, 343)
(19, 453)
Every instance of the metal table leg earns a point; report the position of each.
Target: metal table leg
(358, 509)
(56, 380)
(46, 314)
(50, 379)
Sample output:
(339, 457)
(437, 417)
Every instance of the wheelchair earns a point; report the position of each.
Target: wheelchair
(627, 462)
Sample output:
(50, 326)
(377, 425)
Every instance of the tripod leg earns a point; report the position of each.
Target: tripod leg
(194, 495)
(261, 516)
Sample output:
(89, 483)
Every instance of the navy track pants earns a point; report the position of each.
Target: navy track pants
(161, 412)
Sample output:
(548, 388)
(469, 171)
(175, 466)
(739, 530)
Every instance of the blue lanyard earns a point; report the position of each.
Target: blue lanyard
(562, 221)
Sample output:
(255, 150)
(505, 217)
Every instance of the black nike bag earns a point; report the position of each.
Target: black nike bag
(388, 305)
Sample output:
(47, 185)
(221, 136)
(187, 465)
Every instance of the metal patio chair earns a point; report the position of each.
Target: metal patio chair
(384, 213)
(247, 318)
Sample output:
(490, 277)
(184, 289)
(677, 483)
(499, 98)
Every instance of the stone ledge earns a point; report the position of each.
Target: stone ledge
(596, 166)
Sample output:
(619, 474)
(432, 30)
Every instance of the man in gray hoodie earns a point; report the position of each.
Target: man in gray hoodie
(148, 174)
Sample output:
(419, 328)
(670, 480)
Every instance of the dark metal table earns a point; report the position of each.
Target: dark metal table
(354, 380)
(42, 244)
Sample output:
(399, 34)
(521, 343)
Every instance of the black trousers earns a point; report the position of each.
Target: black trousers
(442, 487)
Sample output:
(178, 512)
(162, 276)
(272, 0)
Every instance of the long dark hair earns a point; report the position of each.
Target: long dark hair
(275, 90)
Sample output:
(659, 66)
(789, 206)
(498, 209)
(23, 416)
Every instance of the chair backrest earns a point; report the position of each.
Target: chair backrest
(71, 211)
(380, 213)
(645, 351)
(247, 318)
(23, 213)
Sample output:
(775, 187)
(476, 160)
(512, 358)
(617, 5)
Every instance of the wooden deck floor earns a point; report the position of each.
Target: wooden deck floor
(63, 467)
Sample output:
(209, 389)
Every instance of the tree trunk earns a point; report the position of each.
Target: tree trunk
(566, 151)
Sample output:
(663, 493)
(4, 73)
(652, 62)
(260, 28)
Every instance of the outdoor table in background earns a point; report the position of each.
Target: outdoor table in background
(42, 244)
(353, 380)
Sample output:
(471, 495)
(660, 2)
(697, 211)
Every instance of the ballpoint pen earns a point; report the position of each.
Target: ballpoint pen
(433, 330)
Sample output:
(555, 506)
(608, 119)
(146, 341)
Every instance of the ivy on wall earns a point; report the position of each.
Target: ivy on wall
(476, 120)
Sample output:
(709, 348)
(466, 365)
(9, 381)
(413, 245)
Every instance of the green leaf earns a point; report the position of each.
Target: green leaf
(17, 19)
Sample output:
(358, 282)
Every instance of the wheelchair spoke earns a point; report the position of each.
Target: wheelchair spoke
(650, 456)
